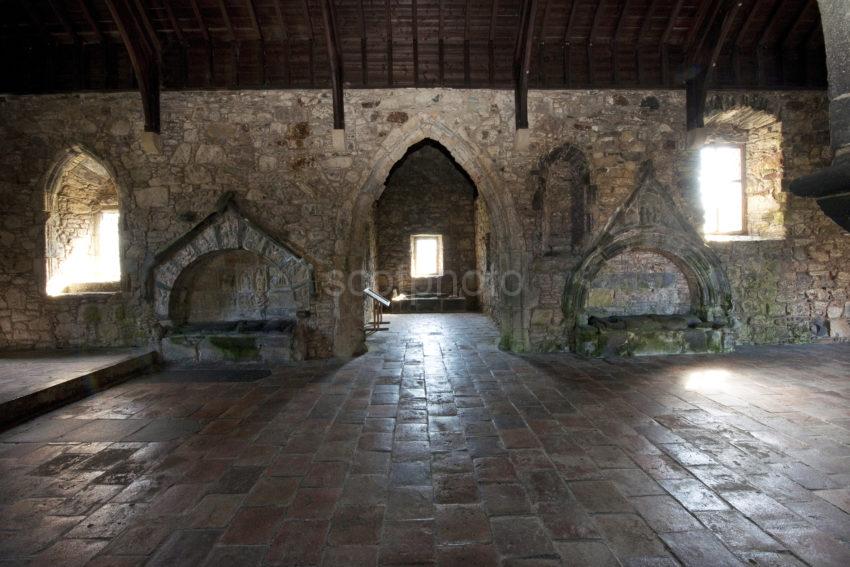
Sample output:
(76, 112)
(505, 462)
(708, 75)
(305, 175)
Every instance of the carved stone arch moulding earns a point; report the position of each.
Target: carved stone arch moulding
(226, 229)
(650, 221)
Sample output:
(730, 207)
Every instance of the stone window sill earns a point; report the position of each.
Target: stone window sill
(90, 290)
(85, 295)
(740, 238)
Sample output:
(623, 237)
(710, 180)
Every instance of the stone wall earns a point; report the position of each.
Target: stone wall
(274, 151)
(426, 194)
(639, 283)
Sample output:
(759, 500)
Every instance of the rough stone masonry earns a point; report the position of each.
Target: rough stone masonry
(790, 275)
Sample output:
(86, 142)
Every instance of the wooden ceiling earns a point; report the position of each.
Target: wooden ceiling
(71, 45)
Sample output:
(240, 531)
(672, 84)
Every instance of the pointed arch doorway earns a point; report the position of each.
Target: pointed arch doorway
(500, 242)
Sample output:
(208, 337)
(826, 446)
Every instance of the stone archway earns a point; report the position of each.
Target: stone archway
(510, 249)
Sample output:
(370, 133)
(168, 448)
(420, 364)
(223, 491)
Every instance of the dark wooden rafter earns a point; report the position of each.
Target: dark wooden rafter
(706, 37)
(258, 31)
(763, 45)
(93, 25)
(772, 22)
(569, 29)
(181, 39)
(415, 31)
(541, 43)
(199, 19)
(647, 22)
(593, 38)
(284, 36)
(665, 41)
(794, 27)
(388, 14)
(671, 22)
(491, 44)
(35, 20)
(746, 28)
(522, 61)
(175, 25)
(705, 62)
(643, 31)
(79, 65)
(467, 72)
(456, 43)
(335, 61)
(234, 39)
(143, 56)
(146, 22)
(696, 27)
(228, 23)
(59, 12)
(364, 57)
(205, 34)
(311, 40)
(617, 37)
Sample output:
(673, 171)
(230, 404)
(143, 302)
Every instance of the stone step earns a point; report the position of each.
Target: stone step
(56, 394)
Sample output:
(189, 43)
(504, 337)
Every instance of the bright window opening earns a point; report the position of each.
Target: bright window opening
(93, 256)
(426, 255)
(722, 189)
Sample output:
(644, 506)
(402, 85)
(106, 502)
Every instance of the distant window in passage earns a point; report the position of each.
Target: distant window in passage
(722, 189)
(426, 255)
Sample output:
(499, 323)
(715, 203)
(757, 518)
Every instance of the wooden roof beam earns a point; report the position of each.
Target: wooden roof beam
(704, 6)
(647, 22)
(671, 23)
(744, 32)
(63, 20)
(199, 18)
(364, 59)
(491, 43)
(621, 23)
(255, 22)
(88, 15)
(522, 62)
(228, 23)
(706, 61)
(145, 61)
(569, 29)
(592, 38)
(335, 60)
(794, 27)
(143, 15)
(172, 19)
(35, 19)
(772, 22)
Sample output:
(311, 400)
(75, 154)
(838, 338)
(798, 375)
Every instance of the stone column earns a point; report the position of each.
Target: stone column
(831, 186)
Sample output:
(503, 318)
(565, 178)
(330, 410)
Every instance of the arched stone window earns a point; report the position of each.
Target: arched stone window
(82, 232)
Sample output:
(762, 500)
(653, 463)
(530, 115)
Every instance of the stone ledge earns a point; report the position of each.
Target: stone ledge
(51, 397)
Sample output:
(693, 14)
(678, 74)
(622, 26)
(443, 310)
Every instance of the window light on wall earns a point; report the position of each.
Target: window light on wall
(94, 256)
(426, 255)
(722, 189)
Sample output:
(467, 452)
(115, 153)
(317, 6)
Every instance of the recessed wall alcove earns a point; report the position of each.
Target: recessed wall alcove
(648, 284)
(226, 290)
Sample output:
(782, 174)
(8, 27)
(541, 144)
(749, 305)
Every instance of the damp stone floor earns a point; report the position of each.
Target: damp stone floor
(437, 448)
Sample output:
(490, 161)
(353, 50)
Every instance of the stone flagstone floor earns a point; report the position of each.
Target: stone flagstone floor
(437, 448)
